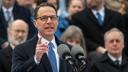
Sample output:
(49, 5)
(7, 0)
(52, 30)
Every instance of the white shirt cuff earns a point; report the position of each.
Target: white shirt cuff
(37, 62)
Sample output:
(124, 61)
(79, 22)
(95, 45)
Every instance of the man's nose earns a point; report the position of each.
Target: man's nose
(49, 20)
(20, 34)
(114, 42)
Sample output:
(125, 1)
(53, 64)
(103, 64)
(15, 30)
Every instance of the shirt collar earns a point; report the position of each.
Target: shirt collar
(12, 46)
(43, 40)
(114, 59)
(101, 11)
(9, 9)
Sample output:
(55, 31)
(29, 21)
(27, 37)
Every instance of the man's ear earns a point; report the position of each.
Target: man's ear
(34, 22)
(8, 31)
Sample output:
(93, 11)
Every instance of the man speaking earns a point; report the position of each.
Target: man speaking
(40, 53)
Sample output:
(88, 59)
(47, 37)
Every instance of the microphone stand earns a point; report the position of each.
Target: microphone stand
(82, 66)
(72, 63)
(74, 67)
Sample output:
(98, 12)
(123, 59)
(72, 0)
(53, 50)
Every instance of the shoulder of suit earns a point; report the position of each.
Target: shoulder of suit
(104, 58)
(4, 51)
(112, 11)
(81, 13)
(100, 59)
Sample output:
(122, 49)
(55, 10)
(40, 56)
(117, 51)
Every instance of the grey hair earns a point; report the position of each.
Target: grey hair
(113, 30)
(11, 23)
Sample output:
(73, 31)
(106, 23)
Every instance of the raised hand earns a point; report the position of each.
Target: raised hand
(41, 48)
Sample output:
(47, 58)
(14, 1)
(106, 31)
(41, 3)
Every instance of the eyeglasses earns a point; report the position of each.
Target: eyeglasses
(45, 18)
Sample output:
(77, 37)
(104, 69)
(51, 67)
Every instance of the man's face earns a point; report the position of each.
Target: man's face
(114, 43)
(75, 6)
(8, 3)
(46, 21)
(25, 2)
(18, 33)
(94, 3)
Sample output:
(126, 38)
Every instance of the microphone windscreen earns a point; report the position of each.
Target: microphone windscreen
(63, 49)
(0, 4)
(76, 50)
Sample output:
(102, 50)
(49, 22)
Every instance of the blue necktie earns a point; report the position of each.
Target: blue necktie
(52, 57)
(8, 18)
(99, 17)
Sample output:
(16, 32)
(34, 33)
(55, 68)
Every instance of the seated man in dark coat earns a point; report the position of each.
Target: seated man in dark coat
(114, 60)
(17, 31)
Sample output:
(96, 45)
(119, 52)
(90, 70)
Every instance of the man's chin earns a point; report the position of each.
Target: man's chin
(18, 42)
(50, 33)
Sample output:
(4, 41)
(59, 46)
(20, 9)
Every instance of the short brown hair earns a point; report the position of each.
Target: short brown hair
(43, 5)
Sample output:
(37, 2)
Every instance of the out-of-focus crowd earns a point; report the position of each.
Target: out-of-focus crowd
(100, 27)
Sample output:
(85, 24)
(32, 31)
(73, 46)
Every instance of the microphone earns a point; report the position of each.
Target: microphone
(64, 53)
(78, 53)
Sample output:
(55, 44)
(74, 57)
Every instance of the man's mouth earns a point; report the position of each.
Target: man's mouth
(49, 28)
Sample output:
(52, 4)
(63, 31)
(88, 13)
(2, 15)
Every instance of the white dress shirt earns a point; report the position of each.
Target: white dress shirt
(10, 11)
(114, 59)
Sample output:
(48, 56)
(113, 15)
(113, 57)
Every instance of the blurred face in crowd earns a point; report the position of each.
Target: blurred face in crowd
(54, 2)
(75, 6)
(8, 3)
(73, 41)
(126, 4)
(18, 32)
(114, 43)
(25, 2)
(95, 4)
(46, 21)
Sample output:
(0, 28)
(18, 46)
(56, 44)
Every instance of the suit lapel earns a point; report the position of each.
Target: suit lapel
(61, 66)
(46, 63)
(32, 45)
(58, 42)
(3, 18)
(92, 17)
(15, 14)
(107, 17)
(8, 55)
(124, 60)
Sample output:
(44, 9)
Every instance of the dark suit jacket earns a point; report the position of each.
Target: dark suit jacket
(23, 59)
(5, 59)
(93, 31)
(105, 64)
(18, 13)
(125, 21)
